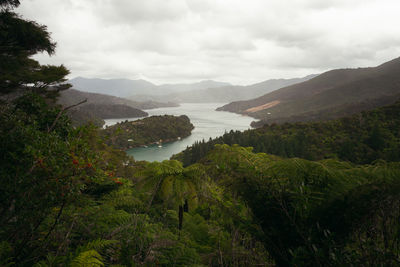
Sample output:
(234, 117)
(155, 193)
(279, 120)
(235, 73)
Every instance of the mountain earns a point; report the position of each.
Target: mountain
(111, 111)
(226, 93)
(72, 96)
(99, 107)
(130, 88)
(330, 95)
(165, 88)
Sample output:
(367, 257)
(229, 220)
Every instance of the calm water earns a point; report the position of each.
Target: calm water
(207, 122)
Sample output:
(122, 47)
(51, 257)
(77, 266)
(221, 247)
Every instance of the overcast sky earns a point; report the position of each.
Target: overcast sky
(237, 41)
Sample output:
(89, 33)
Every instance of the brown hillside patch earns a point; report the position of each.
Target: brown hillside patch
(265, 106)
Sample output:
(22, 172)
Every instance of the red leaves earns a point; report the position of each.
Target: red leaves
(111, 174)
(117, 181)
(87, 165)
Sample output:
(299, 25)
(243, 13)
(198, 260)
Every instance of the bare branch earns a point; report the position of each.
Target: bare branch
(61, 112)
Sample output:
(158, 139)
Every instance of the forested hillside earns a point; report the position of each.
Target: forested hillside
(151, 130)
(333, 94)
(361, 139)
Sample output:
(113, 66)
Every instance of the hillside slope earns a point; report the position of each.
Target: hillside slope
(341, 91)
(130, 134)
(99, 107)
(72, 96)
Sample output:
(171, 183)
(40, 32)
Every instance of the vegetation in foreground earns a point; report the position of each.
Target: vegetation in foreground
(151, 130)
(68, 199)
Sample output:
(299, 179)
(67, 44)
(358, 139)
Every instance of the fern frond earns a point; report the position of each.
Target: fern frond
(89, 258)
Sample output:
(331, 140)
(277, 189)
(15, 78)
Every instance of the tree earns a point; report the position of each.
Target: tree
(19, 40)
(178, 187)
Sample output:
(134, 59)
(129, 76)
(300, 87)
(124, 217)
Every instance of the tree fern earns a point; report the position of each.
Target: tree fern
(88, 258)
(88, 254)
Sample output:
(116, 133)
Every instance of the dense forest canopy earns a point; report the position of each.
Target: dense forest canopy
(328, 197)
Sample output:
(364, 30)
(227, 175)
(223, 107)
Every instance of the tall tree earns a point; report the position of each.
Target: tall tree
(20, 39)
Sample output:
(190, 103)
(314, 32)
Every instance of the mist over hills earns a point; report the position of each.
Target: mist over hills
(184, 87)
(200, 92)
(334, 93)
(73, 96)
(225, 93)
(114, 87)
(128, 88)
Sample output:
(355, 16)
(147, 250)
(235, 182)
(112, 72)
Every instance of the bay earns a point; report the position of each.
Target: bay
(207, 122)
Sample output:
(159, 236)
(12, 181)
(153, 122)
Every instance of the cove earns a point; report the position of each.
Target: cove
(207, 122)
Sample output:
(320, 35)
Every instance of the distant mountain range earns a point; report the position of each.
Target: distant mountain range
(330, 95)
(200, 92)
(225, 93)
(128, 88)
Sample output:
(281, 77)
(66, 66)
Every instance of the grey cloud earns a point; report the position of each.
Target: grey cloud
(235, 41)
(131, 12)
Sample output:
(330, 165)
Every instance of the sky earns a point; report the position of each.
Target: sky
(236, 41)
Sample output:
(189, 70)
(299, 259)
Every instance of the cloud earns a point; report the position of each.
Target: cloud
(236, 41)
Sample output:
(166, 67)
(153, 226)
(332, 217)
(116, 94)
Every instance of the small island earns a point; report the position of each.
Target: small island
(147, 131)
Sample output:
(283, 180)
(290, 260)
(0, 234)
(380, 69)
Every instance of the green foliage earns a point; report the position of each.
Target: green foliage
(19, 40)
(89, 258)
(316, 213)
(66, 197)
(45, 166)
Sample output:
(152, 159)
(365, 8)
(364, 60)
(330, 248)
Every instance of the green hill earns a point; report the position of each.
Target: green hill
(129, 134)
(330, 95)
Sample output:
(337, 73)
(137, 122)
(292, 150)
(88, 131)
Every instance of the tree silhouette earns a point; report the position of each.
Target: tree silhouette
(19, 40)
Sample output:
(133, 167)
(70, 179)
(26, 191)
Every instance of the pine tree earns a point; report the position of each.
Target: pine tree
(19, 40)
